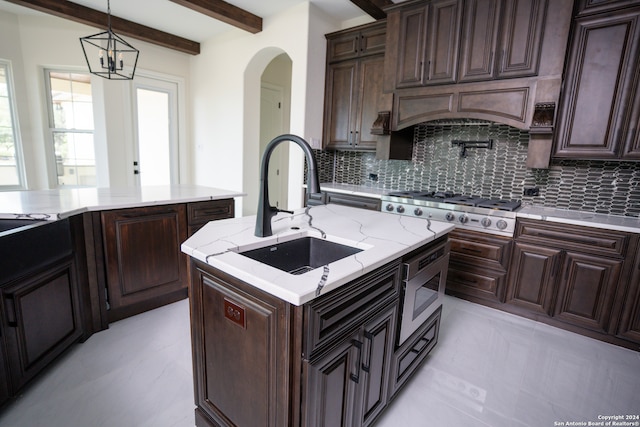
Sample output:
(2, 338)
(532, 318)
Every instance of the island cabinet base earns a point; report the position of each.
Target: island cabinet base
(261, 361)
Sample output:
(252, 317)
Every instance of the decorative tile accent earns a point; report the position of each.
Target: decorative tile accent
(591, 186)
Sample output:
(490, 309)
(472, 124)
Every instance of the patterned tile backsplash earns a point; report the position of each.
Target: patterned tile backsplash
(500, 172)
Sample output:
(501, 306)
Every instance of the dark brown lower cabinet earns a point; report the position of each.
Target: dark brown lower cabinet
(139, 249)
(349, 385)
(532, 277)
(260, 361)
(629, 307)
(569, 276)
(41, 318)
(478, 266)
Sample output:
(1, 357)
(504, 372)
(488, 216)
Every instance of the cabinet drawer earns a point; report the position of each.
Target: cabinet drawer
(481, 283)
(590, 240)
(407, 358)
(480, 249)
(199, 213)
(330, 317)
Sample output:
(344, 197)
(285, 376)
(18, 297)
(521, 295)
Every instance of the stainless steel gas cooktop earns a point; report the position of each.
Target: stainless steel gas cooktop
(494, 216)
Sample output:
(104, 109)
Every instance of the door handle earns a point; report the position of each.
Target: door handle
(356, 377)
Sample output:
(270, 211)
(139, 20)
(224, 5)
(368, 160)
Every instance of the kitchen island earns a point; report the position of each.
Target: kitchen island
(319, 348)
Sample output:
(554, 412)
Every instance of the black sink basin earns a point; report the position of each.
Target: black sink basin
(301, 255)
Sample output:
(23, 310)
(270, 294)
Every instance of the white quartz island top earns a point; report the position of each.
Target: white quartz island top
(383, 238)
(63, 203)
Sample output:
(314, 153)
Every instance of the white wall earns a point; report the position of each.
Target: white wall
(35, 42)
(223, 105)
(225, 83)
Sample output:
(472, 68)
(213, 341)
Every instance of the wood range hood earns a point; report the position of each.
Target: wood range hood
(527, 104)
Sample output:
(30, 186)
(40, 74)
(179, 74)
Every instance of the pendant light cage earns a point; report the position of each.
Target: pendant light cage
(108, 55)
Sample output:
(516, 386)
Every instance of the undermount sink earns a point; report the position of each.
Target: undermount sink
(301, 255)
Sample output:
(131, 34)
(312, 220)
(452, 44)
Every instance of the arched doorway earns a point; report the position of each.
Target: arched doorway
(269, 75)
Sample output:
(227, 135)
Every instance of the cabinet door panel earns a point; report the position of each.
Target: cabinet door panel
(331, 385)
(444, 33)
(339, 104)
(411, 47)
(629, 327)
(43, 320)
(587, 290)
(599, 77)
(480, 37)
(532, 277)
(142, 253)
(523, 23)
(378, 340)
(371, 74)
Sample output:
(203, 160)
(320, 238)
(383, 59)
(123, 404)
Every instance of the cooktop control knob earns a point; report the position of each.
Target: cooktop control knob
(486, 222)
(463, 219)
(501, 224)
(389, 207)
(417, 212)
(400, 209)
(450, 216)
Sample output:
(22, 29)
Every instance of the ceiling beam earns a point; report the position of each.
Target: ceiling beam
(373, 7)
(225, 12)
(84, 15)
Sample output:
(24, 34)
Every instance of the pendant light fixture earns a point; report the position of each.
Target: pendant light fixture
(109, 55)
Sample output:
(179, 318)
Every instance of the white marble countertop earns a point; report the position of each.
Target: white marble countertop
(587, 219)
(382, 238)
(63, 203)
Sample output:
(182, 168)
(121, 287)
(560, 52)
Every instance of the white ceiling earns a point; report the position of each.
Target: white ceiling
(172, 18)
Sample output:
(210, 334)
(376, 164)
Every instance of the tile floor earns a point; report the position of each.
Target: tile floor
(488, 369)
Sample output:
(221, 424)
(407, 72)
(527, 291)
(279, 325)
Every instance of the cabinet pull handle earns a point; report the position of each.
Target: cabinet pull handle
(356, 377)
(369, 336)
(356, 139)
(10, 305)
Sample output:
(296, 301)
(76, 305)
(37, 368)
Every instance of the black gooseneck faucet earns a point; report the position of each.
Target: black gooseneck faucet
(265, 210)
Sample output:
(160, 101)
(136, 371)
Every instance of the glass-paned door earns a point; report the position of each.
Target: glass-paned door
(156, 157)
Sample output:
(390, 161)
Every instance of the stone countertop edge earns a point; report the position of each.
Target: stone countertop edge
(382, 238)
(63, 203)
(587, 219)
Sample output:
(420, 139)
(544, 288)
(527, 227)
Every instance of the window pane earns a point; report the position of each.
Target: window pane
(9, 164)
(71, 100)
(75, 158)
(72, 128)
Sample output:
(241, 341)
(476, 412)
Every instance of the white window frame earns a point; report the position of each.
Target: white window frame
(52, 129)
(15, 125)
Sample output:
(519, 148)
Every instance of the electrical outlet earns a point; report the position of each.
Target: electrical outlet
(373, 177)
(531, 191)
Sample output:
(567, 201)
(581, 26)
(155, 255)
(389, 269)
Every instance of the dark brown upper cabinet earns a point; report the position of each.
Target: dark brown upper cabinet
(600, 110)
(501, 39)
(444, 42)
(363, 41)
(353, 88)
(427, 40)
